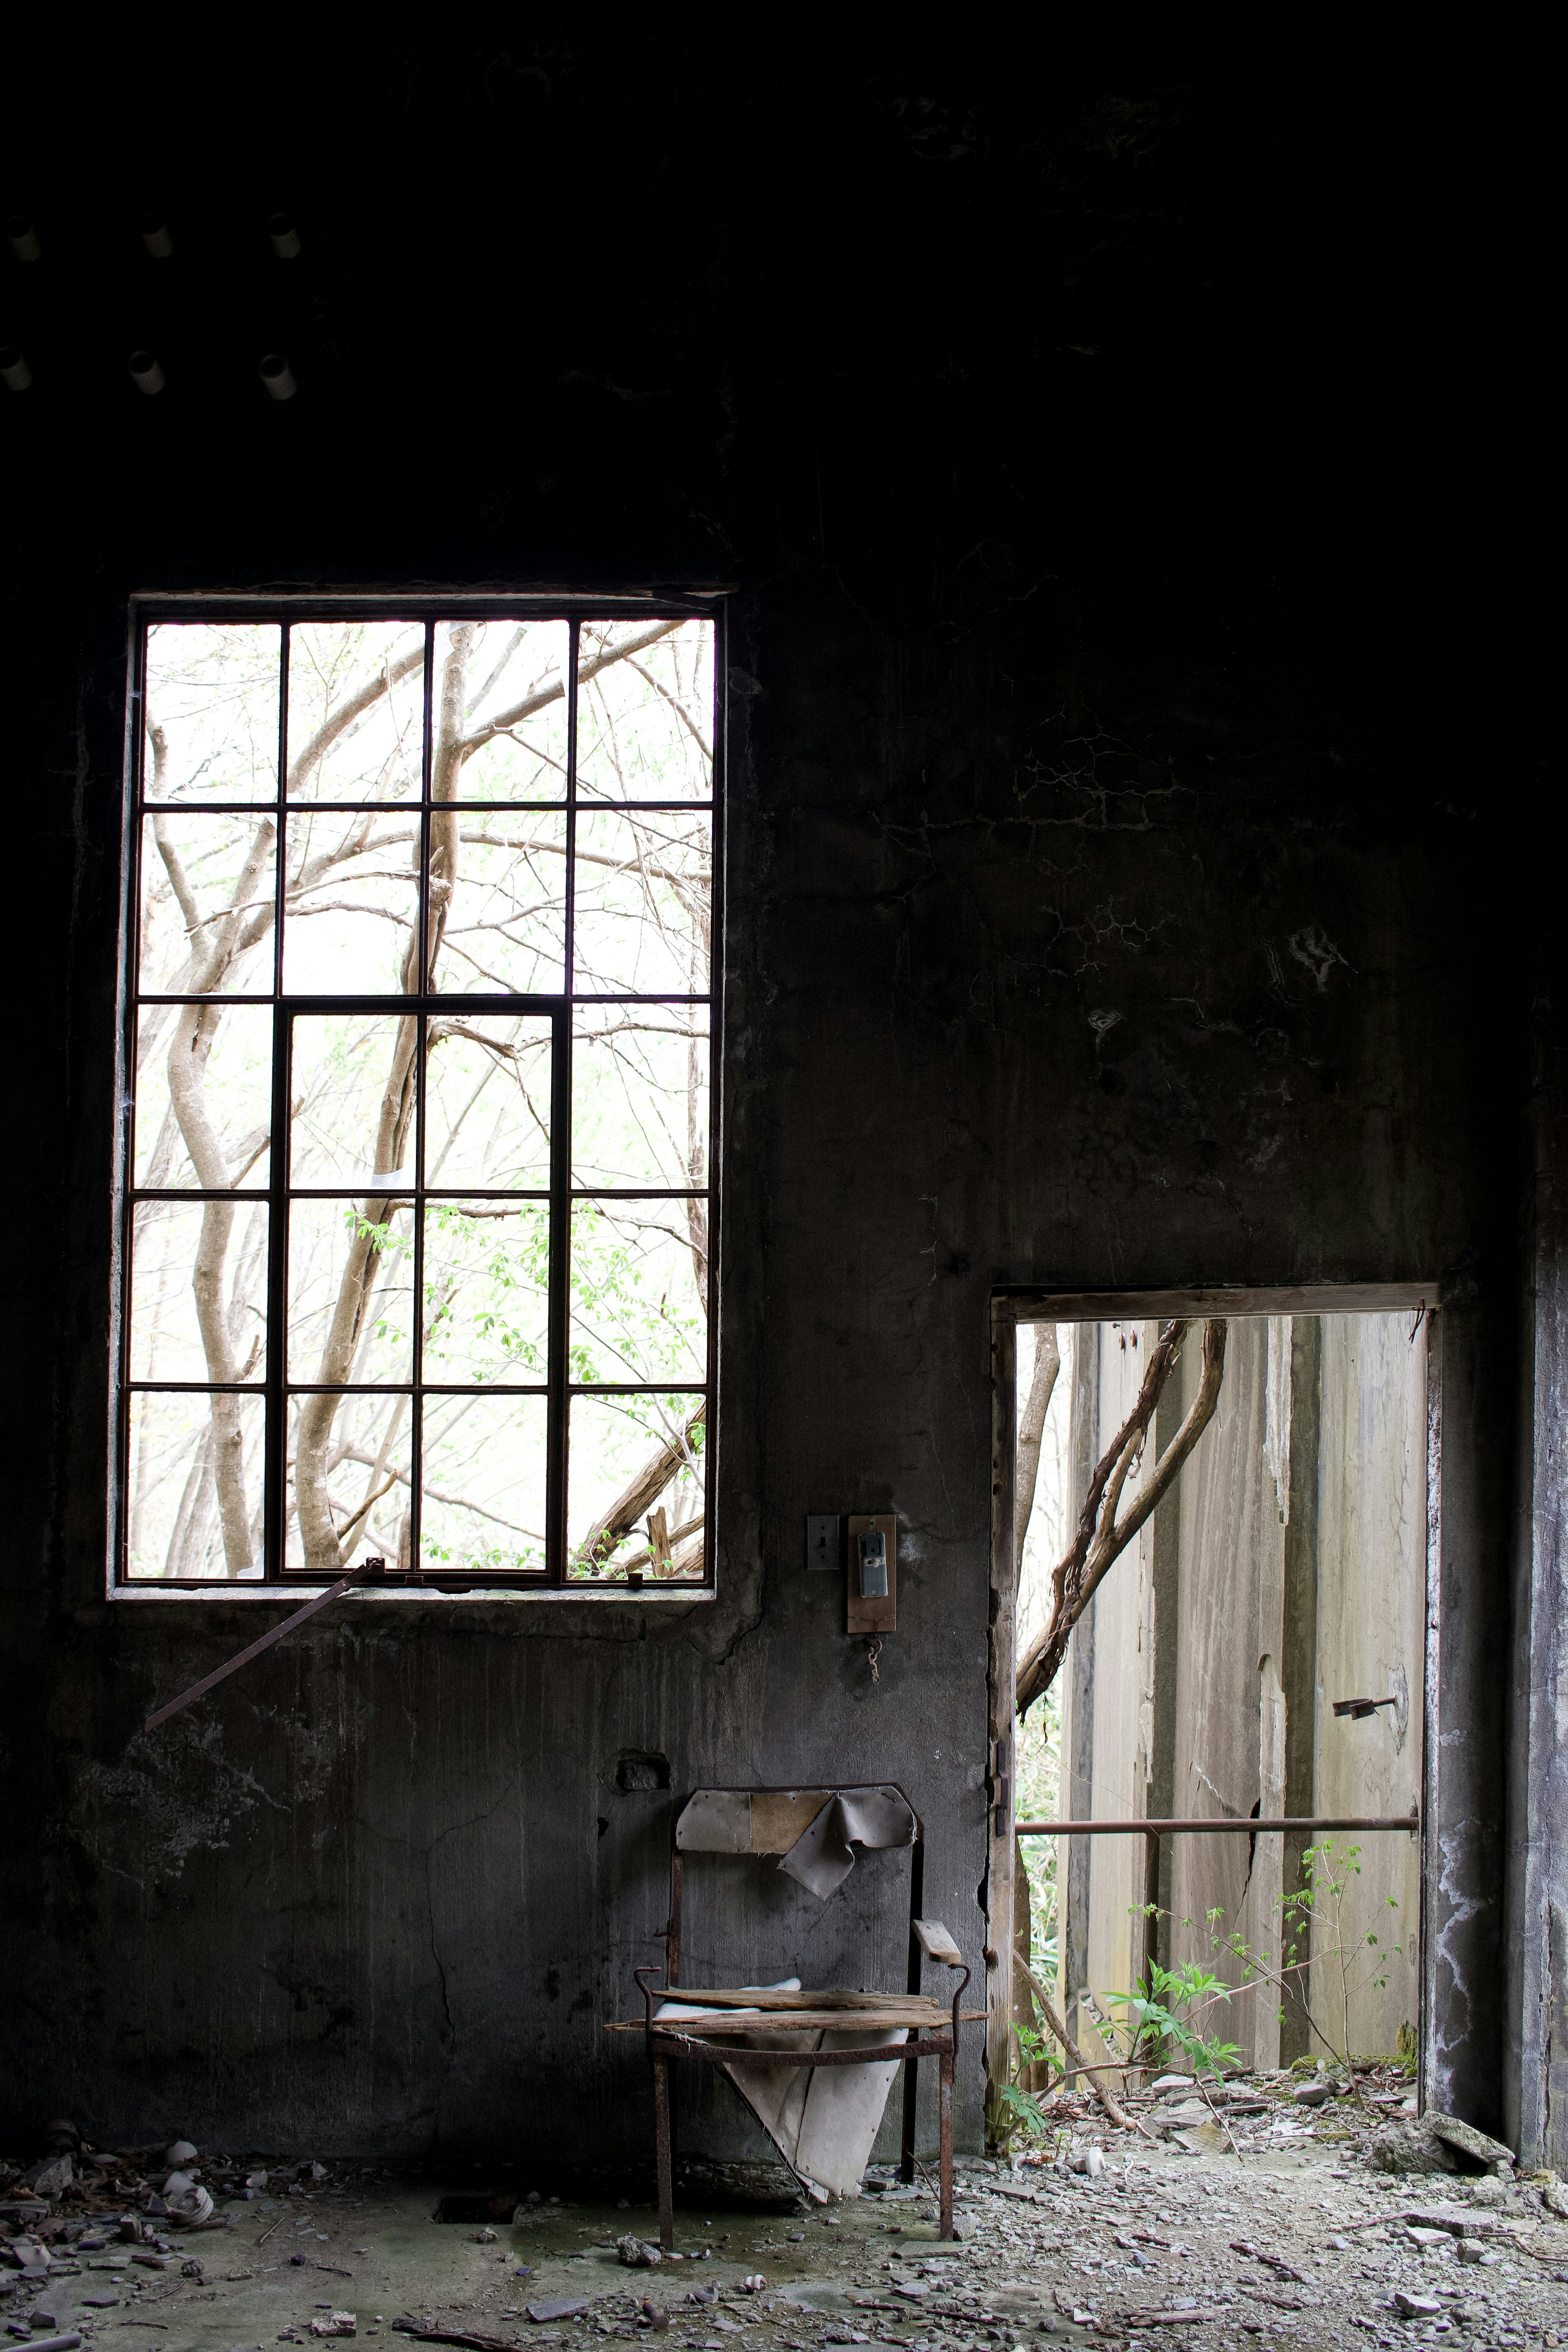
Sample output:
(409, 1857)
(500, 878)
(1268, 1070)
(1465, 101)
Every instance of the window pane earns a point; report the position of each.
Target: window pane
(207, 912)
(507, 677)
(345, 1453)
(180, 1523)
(640, 1094)
(351, 1293)
(639, 1290)
(198, 1290)
(356, 710)
(631, 1455)
(353, 1092)
(487, 1092)
(482, 1495)
(217, 1133)
(352, 921)
(498, 902)
(645, 721)
(644, 903)
(212, 711)
(487, 1276)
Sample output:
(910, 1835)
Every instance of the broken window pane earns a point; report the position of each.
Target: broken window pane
(211, 711)
(483, 1485)
(631, 1456)
(639, 1096)
(208, 905)
(349, 1464)
(513, 744)
(487, 1117)
(220, 1056)
(351, 923)
(498, 902)
(639, 1280)
(487, 1291)
(198, 1290)
(180, 1525)
(644, 721)
(356, 710)
(352, 1093)
(351, 1291)
(644, 903)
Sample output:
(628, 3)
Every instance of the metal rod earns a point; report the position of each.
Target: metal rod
(1247, 1825)
(222, 1673)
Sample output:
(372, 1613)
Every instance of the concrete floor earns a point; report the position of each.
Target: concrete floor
(1044, 2255)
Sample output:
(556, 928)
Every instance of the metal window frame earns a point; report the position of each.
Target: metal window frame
(275, 1387)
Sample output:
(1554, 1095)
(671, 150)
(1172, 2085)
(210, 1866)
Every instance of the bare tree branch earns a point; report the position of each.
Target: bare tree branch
(644, 1489)
(557, 689)
(1031, 1430)
(1100, 1536)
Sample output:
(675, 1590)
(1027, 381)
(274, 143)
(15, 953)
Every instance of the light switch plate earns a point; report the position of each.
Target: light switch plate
(825, 1541)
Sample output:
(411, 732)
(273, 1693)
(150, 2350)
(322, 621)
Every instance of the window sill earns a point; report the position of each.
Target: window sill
(426, 1596)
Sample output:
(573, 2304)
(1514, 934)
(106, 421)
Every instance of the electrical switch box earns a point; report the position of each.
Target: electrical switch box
(873, 1578)
(825, 1541)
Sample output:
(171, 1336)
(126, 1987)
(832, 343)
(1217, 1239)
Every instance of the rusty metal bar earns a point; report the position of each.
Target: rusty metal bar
(1248, 1826)
(220, 1673)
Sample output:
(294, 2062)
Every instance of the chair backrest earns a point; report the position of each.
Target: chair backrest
(769, 1820)
(762, 1821)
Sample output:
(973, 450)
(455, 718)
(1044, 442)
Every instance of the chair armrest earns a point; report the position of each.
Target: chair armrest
(936, 1943)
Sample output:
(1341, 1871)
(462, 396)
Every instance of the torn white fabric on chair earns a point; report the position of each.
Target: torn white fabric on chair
(823, 1858)
(823, 2120)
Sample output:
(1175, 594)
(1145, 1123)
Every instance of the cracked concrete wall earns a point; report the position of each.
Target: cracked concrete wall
(1113, 899)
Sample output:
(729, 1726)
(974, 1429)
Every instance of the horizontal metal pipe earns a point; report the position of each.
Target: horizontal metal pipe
(1410, 1823)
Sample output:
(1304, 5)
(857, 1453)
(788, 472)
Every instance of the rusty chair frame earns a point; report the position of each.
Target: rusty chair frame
(667, 2043)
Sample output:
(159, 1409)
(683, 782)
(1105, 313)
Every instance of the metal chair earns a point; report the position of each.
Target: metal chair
(931, 2026)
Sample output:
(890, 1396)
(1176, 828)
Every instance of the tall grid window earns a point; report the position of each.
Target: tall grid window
(418, 1231)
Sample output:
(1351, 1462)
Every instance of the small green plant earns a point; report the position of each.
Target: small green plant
(1161, 2014)
(1316, 1936)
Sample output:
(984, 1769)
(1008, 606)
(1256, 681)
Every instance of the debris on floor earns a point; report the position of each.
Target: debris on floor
(1287, 2234)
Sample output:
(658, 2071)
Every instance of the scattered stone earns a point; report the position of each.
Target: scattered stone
(1479, 2145)
(1471, 2250)
(561, 2307)
(1310, 2095)
(1415, 2307)
(755, 2285)
(485, 2237)
(1410, 2147)
(638, 2254)
(336, 2323)
(1427, 2237)
(52, 2177)
(179, 2153)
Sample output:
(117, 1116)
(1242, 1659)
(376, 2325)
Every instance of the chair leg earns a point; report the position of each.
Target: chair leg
(912, 2100)
(665, 2166)
(944, 2173)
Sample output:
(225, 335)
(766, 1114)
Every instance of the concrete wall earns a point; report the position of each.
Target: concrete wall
(1104, 829)
(1371, 1578)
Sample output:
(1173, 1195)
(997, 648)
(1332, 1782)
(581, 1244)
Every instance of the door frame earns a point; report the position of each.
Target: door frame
(1016, 1303)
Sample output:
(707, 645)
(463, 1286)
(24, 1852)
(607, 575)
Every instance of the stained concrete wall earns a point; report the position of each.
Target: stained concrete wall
(1103, 823)
(1372, 1580)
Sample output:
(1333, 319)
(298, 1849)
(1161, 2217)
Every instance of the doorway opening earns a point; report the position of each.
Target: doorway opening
(1214, 1537)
